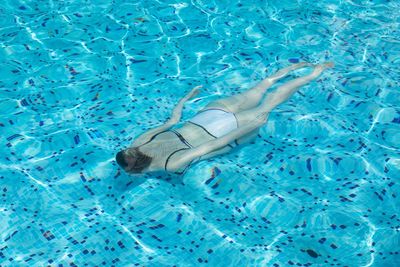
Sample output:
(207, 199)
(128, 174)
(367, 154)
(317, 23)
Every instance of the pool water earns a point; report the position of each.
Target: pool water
(80, 79)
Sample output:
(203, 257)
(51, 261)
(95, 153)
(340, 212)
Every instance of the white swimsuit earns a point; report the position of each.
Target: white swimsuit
(216, 122)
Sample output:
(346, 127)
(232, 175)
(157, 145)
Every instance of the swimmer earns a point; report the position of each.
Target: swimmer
(219, 127)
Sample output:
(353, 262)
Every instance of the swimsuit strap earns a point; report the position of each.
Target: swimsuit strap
(183, 140)
(166, 162)
(152, 138)
(204, 129)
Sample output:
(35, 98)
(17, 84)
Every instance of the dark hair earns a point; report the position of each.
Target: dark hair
(142, 161)
(121, 159)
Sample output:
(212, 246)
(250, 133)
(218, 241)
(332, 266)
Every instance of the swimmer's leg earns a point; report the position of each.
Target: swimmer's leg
(252, 97)
(281, 94)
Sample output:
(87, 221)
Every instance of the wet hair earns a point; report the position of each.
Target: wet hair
(142, 161)
(121, 159)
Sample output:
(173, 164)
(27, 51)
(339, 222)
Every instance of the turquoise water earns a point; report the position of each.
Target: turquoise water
(80, 79)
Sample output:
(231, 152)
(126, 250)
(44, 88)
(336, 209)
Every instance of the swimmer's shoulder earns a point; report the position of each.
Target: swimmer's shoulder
(194, 135)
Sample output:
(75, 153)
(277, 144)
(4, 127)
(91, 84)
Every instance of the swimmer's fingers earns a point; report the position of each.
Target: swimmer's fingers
(195, 91)
(177, 112)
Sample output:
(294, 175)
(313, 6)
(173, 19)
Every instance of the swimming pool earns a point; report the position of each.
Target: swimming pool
(80, 79)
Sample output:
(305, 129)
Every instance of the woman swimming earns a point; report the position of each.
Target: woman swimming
(220, 126)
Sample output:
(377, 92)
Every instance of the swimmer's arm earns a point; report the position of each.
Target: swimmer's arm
(216, 144)
(175, 117)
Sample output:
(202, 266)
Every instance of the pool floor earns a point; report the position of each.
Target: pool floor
(79, 80)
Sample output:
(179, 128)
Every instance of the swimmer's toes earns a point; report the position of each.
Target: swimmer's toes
(318, 69)
(321, 67)
(303, 64)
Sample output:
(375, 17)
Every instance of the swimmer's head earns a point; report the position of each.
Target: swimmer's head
(132, 160)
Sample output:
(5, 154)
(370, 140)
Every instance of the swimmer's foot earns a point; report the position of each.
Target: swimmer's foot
(285, 71)
(327, 65)
(318, 69)
(301, 64)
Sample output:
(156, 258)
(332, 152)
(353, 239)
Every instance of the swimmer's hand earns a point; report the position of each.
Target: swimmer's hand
(175, 117)
(195, 91)
(177, 112)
